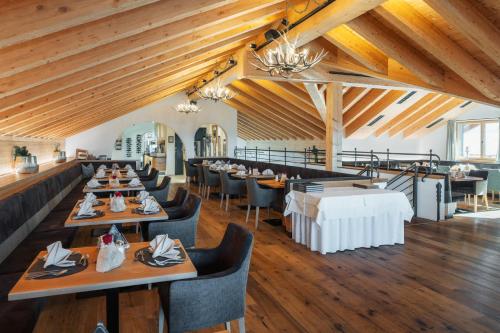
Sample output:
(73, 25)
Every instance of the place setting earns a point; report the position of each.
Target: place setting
(87, 210)
(161, 252)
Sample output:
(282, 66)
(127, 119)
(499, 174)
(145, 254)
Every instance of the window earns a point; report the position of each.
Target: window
(477, 139)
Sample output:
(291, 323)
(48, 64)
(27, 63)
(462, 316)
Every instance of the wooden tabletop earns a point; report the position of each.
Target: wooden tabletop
(466, 179)
(122, 178)
(111, 217)
(258, 176)
(107, 188)
(271, 183)
(131, 273)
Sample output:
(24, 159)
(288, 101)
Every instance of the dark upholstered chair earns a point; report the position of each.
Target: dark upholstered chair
(258, 197)
(474, 188)
(174, 207)
(230, 186)
(151, 180)
(161, 191)
(201, 180)
(191, 172)
(212, 179)
(144, 172)
(218, 294)
(183, 228)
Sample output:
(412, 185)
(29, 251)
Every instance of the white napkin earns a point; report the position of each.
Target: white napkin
(268, 172)
(131, 174)
(142, 195)
(227, 167)
(241, 167)
(283, 178)
(241, 173)
(57, 255)
(298, 177)
(100, 173)
(150, 206)
(93, 183)
(164, 247)
(114, 182)
(234, 166)
(218, 162)
(102, 166)
(90, 197)
(128, 167)
(117, 204)
(134, 182)
(110, 257)
(86, 209)
(255, 171)
(115, 166)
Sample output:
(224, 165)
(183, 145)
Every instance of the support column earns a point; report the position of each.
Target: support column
(334, 128)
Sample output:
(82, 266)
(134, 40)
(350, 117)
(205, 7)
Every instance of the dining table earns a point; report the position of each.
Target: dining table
(132, 272)
(271, 183)
(107, 188)
(255, 176)
(468, 179)
(129, 215)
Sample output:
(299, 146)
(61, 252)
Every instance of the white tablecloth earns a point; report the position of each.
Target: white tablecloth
(346, 218)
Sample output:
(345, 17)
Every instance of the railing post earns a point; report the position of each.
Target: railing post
(415, 189)
(245, 153)
(439, 187)
(285, 156)
(256, 154)
(387, 158)
(371, 164)
(355, 157)
(305, 157)
(430, 160)
(269, 154)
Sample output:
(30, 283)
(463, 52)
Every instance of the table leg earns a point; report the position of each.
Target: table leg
(113, 310)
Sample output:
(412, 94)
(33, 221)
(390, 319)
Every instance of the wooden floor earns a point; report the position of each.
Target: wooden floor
(446, 278)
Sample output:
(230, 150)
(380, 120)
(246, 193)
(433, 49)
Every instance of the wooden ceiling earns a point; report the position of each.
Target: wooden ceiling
(69, 65)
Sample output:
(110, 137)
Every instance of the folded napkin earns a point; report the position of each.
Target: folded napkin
(241, 167)
(93, 183)
(298, 177)
(240, 173)
(117, 204)
(128, 167)
(115, 166)
(268, 172)
(234, 166)
(164, 247)
(114, 182)
(86, 209)
(110, 257)
(255, 171)
(57, 255)
(134, 182)
(100, 173)
(227, 167)
(102, 166)
(90, 197)
(142, 195)
(131, 173)
(218, 162)
(150, 206)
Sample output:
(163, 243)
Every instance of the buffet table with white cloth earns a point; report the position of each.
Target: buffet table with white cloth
(346, 218)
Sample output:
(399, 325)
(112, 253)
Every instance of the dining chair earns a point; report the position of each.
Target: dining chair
(151, 180)
(160, 192)
(258, 197)
(493, 182)
(201, 180)
(174, 207)
(474, 188)
(183, 228)
(145, 171)
(218, 294)
(230, 186)
(212, 180)
(191, 173)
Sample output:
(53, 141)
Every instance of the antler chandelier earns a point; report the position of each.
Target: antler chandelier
(287, 59)
(188, 107)
(217, 93)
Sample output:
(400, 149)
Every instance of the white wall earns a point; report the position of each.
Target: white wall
(101, 139)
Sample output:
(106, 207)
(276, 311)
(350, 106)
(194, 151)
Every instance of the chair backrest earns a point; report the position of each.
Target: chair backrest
(211, 179)
(192, 206)
(235, 250)
(258, 196)
(164, 183)
(201, 176)
(180, 196)
(479, 173)
(191, 170)
(224, 181)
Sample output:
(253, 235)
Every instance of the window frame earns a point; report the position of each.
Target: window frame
(458, 140)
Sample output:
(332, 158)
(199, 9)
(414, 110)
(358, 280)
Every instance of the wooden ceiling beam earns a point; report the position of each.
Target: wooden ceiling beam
(281, 107)
(92, 96)
(357, 109)
(318, 98)
(255, 129)
(299, 93)
(377, 108)
(245, 129)
(415, 107)
(441, 111)
(222, 22)
(130, 27)
(421, 112)
(423, 32)
(357, 47)
(464, 16)
(32, 19)
(352, 95)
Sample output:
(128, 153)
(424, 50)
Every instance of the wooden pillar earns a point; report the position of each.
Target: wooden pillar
(334, 128)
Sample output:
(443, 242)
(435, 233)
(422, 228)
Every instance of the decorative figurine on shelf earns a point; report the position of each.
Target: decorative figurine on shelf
(24, 162)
